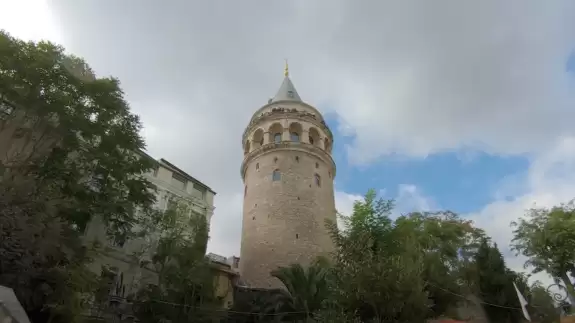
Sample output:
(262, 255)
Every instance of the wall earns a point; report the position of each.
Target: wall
(121, 257)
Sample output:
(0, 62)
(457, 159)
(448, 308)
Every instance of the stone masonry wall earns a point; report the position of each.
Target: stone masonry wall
(284, 221)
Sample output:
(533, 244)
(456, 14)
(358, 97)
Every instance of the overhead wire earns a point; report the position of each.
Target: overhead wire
(203, 308)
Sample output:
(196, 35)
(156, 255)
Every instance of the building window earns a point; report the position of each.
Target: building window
(275, 159)
(316, 165)
(317, 180)
(199, 191)
(261, 142)
(278, 138)
(311, 140)
(297, 159)
(257, 166)
(290, 94)
(294, 137)
(276, 175)
(179, 181)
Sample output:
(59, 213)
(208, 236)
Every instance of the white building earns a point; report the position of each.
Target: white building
(131, 259)
(172, 181)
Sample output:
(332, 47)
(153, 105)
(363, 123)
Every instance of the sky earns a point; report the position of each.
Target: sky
(440, 105)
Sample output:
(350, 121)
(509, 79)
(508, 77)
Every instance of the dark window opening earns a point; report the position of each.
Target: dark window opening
(276, 175)
(294, 137)
(317, 180)
(277, 138)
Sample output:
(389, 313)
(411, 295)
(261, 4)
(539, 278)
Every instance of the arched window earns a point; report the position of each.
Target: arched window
(258, 138)
(317, 180)
(277, 138)
(276, 175)
(294, 136)
(314, 138)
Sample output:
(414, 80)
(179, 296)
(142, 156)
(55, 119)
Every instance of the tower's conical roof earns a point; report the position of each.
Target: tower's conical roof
(287, 91)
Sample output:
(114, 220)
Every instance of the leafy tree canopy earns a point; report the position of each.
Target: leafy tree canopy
(74, 130)
(547, 237)
(185, 275)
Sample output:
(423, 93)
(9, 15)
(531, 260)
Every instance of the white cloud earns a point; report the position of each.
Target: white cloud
(344, 202)
(550, 181)
(411, 199)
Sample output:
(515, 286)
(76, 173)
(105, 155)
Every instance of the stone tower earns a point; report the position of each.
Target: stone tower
(288, 176)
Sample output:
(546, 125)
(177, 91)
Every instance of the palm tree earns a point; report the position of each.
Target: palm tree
(306, 289)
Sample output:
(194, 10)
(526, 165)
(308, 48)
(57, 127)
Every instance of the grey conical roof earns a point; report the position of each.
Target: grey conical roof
(287, 92)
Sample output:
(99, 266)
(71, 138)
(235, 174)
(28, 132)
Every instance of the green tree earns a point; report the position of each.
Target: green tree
(494, 282)
(66, 127)
(41, 256)
(547, 237)
(185, 291)
(541, 305)
(306, 290)
(377, 275)
(69, 152)
(446, 242)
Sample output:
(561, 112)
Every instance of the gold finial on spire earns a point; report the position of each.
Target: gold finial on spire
(286, 69)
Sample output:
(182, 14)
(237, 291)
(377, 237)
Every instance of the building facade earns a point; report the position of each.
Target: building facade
(288, 175)
(172, 184)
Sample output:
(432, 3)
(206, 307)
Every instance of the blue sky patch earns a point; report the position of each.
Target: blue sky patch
(460, 185)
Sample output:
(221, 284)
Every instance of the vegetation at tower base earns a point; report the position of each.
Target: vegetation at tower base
(185, 291)
(68, 147)
(377, 274)
(412, 268)
(547, 238)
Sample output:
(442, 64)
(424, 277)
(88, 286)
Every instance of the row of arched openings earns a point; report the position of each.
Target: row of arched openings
(275, 132)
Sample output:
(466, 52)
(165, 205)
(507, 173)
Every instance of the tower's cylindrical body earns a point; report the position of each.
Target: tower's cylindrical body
(288, 175)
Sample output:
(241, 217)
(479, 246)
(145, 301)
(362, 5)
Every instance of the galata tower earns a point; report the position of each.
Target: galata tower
(288, 176)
